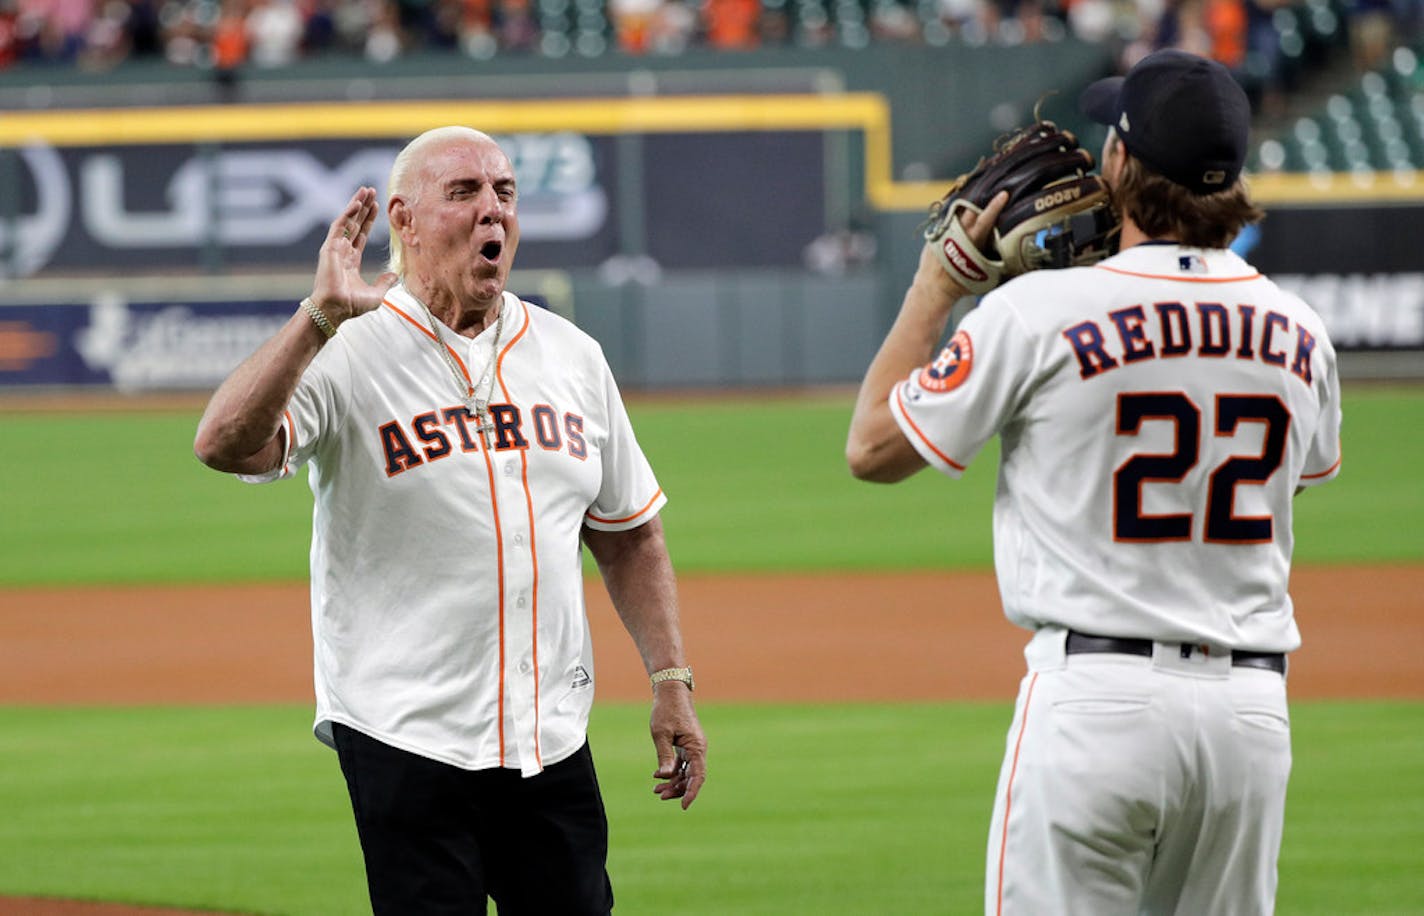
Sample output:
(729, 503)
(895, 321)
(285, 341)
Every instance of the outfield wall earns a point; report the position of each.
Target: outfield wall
(761, 328)
(755, 239)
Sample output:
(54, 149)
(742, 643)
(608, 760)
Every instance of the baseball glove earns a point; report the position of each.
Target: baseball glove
(1058, 213)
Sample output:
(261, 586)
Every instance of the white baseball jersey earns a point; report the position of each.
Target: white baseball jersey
(447, 589)
(1157, 412)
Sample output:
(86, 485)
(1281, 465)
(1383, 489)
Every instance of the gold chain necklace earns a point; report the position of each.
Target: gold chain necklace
(473, 400)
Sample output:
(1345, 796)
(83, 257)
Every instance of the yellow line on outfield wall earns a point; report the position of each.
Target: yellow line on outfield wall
(1336, 188)
(308, 121)
(863, 111)
(866, 112)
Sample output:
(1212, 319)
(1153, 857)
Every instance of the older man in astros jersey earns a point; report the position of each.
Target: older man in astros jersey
(1156, 412)
(462, 443)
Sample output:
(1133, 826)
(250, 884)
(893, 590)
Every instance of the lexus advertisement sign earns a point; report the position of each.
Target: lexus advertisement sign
(191, 207)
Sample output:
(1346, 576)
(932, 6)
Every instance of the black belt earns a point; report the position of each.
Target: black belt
(1080, 643)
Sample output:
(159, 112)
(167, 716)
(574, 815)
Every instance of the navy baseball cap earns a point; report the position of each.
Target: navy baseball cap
(1181, 115)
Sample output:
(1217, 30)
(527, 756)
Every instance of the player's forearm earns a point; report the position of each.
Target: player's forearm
(238, 431)
(875, 448)
(638, 575)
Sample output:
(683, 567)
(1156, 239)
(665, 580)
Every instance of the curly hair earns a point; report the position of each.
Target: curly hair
(1164, 209)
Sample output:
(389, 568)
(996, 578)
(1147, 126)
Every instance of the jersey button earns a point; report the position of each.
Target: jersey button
(519, 540)
(520, 601)
(524, 667)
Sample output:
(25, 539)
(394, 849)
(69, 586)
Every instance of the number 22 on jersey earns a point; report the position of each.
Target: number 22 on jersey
(1221, 524)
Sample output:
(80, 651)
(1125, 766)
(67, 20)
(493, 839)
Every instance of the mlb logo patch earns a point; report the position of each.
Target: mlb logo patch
(1191, 264)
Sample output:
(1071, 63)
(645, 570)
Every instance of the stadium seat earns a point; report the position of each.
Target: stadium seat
(1375, 125)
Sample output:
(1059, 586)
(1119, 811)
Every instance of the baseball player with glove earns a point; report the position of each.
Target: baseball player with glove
(1158, 409)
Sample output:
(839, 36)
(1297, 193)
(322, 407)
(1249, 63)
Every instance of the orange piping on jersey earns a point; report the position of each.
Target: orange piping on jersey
(426, 331)
(627, 518)
(1009, 795)
(534, 609)
(1133, 273)
(291, 441)
(1325, 473)
(419, 325)
(494, 508)
(926, 439)
(499, 566)
(512, 341)
(533, 552)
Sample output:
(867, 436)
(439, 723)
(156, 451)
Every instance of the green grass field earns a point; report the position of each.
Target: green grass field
(860, 809)
(120, 498)
(865, 809)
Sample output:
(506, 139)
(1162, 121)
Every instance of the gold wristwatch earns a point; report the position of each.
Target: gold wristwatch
(671, 674)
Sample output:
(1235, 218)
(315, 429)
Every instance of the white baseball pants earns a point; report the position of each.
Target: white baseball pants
(1134, 785)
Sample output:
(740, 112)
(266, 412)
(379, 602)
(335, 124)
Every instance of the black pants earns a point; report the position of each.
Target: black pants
(438, 839)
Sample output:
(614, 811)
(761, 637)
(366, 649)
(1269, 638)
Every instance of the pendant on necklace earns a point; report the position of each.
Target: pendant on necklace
(483, 424)
(473, 401)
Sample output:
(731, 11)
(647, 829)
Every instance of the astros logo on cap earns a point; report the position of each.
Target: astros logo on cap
(951, 367)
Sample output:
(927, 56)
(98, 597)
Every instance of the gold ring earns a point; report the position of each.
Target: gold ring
(346, 233)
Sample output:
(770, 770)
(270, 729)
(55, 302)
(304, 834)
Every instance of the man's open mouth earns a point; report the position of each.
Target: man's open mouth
(491, 250)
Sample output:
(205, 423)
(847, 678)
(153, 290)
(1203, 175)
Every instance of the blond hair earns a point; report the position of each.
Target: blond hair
(406, 164)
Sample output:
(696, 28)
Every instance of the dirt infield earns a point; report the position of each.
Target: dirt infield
(925, 636)
(46, 906)
(920, 636)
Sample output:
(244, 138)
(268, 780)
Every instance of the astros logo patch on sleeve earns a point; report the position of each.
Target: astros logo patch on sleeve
(951, 367)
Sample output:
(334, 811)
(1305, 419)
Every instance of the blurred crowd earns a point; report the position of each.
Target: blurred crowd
(228, 35)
